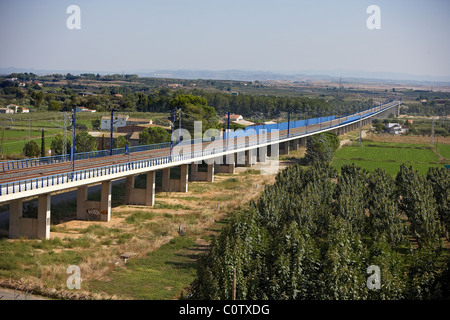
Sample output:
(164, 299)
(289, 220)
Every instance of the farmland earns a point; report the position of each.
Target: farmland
(390, 155)
(21, 128)
(444, 151)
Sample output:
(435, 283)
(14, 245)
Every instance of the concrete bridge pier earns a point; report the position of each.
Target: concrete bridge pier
(38, 228)
(303, 142)
(15, 216)
(241, 158)
(145, 196)
(262, 154)
(104, 205)
(208, 176)
(43, 219)
(194, 172)
(175, 185)
(231, 163)
(250, 157)
(105, 201)
(226, 165)
(210, 173)
(295, 144)
(82, 205)
(273, 151)
(284, 147)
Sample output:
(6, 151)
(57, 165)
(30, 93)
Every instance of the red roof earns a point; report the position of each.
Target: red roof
(232, 116)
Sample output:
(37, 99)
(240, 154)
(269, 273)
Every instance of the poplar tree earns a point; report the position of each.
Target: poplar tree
(43, 144)
(440, 182)
(419, 205)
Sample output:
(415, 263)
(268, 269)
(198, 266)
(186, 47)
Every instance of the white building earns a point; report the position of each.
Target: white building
(395, 128)
(119, 121)
(6, 110)
(13, 107)
(16, 109)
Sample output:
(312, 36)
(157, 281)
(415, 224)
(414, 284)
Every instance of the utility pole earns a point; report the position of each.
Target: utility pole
(42, 143)
(111, 127)
(228, 128)
(289, 122)
(360, 126)
(437, 142)
(264, 119)
(306, 121)
(3, 140)
(331, 120)
(29, 129)
(179, 124)
(172, 124)
(432, 132)
(64, 146)
(360, 130)
(72, 149)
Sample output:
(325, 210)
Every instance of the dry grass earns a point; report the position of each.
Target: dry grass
(96, 247)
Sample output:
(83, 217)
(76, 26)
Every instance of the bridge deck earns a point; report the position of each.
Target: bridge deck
(16, 176)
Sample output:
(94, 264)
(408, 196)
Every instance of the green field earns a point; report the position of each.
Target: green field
(444, 150)
(388, 156)
(17, 128)
(161, 274)
(14, 140)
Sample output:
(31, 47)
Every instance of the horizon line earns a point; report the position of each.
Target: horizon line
(349, 74)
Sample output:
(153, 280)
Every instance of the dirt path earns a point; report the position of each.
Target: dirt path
(345, 141)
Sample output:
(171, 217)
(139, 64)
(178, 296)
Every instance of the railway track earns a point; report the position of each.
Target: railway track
(44, 170)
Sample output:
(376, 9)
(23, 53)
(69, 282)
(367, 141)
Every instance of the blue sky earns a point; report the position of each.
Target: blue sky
(257, 35)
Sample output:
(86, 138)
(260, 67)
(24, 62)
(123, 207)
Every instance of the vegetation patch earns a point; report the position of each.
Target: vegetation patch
(388, 156)
(316, 231)
(161, 274)
(140, 217)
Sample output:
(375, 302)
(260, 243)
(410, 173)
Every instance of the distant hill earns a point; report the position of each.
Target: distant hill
(291, 76)
(243, 75)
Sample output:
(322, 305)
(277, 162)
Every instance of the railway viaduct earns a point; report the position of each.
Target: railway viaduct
(22, 181)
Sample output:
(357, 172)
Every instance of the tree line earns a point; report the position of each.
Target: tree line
(253, 106)
(138, 98)
(316, 231)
